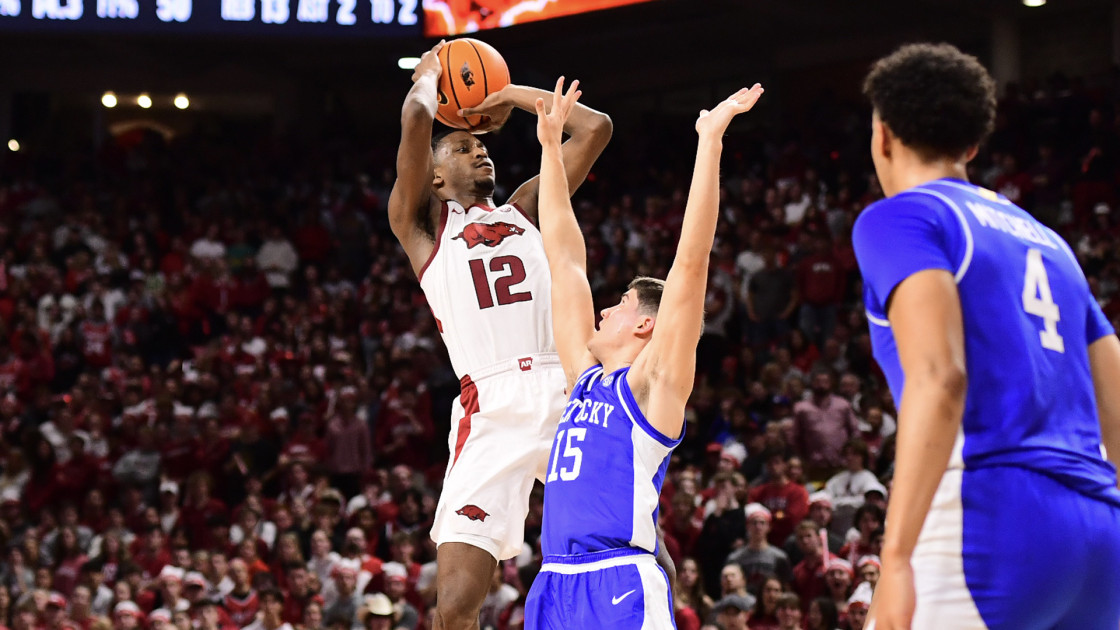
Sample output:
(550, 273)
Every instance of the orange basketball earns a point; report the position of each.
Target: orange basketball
(472, 69)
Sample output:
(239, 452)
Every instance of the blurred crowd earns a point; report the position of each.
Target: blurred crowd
(223, 398)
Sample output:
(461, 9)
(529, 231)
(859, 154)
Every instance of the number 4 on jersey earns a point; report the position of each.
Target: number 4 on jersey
(1038, 301)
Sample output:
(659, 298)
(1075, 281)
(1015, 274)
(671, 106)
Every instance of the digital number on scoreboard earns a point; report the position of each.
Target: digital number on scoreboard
(235, 17)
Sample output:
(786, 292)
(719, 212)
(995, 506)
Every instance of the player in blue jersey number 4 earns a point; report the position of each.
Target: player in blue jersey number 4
(628, 383)
(1004, 512)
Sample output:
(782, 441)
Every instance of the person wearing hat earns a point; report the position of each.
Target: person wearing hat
(758, 558)
(820, 512)
(376, 612)
(168, 504)
(838, 578)
(127, 616)
(396, 585)
(55, 611)
(159, 619)
(868, 569)
(347, 599)
(733, 612)
(272, 609)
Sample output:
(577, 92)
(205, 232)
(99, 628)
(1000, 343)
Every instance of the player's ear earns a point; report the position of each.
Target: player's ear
(644, 326)
(437, 178)
(886, 138)
(972, 151)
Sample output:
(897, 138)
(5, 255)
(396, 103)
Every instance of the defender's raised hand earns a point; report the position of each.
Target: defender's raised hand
(429, 63)
(551, 121)
(716, 120)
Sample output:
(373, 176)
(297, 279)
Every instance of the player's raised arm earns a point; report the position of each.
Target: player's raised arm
(589, 132)
(573, 312)
(412, 191)
(663, 374)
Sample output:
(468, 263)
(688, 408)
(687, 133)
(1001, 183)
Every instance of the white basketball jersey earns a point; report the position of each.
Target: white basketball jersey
(488, 285)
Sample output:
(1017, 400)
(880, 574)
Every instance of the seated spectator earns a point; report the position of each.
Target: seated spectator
(838, 577)
(272, 607)
(732, 582)
(861, 542)
(808, 575)
(847, 487)
(785, 499)
(789, 612)
(732, 612)
(765, 613)
(822, 615)
(820, 512)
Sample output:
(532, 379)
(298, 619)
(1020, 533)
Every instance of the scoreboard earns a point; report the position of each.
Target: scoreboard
(365, 18)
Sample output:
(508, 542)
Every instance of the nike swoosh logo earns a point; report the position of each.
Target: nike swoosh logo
(615, 600)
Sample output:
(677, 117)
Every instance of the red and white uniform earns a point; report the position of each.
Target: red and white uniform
(488, 285)
(97, 343)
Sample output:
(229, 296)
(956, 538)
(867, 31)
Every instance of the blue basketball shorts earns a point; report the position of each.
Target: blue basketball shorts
(620, 590)
(1006, 548)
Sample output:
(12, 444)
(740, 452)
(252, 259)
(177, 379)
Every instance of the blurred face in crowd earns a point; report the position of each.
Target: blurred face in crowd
(771, 591)
(320, 544)
(297, 581)
(731, 579)
(272, 608)
(345, 582)
(857, 616)
(838, 581)
(796, 469)
(122, 592)
(125, 621)
(789, 617)
(219, 565)
(732, 618)
(313, 616)
(239, 571)
(869, 573)
(820, 513)
(758, 527)
(181, 620)
(822, 384)
(688, 574)
(809, 542)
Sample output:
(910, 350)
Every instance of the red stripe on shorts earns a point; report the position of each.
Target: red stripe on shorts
(468, 398)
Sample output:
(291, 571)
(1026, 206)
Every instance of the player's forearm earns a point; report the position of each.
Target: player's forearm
(582, 122)
(929, 420)
(563, 240)
(701, 211)
(421, 101)
(1104, 361)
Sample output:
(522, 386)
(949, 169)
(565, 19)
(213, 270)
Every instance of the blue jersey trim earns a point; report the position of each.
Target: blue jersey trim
(630, 406)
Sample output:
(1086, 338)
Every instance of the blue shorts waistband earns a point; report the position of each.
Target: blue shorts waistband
(594, 556)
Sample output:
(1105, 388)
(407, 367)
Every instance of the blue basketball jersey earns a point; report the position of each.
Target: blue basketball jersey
(605, 471)
(1029, 318)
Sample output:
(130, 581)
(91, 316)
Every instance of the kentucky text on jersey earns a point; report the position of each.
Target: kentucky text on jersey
(605, 471)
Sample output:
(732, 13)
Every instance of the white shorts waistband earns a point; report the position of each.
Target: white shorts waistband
(598, 565)
(527, 363)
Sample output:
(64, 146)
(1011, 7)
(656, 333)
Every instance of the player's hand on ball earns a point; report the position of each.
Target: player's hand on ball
(429, 62)
(496, 107)
(550, 121)
(892, 607)
(716, 120)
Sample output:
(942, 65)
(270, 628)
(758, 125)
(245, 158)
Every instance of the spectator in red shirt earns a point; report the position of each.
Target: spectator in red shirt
(152, 554)
(68, 561)
(787, 500)
(820, 284)
(808, 575)
(349, 450)
(199, 508)
(242, 602)
(300, 594)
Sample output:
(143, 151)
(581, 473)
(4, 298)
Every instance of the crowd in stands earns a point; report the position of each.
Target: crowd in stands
(223, 398)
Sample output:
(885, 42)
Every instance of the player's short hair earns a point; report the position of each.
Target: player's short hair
(438, 138)
(937, 100)
(649, 292)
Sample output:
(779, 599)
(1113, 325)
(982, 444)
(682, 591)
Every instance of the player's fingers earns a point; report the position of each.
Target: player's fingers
(571, 97)
(439, 45)
(558, 94)
(539, 106)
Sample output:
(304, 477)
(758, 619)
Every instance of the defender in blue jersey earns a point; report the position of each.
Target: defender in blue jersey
(1004, 512)
(628, 383)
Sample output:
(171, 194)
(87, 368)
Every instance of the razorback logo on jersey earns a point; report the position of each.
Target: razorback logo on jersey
(472, 512)
(488, 234)
(467, 76)
(525, 364)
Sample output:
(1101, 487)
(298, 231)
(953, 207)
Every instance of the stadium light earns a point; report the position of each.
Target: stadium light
(144, 100)
(13, 145)
(1033, 3)
(182, 102)
(408, 63)
(109, 100)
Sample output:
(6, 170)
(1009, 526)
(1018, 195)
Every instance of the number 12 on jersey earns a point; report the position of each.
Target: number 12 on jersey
(1039, 301)
(503, 285)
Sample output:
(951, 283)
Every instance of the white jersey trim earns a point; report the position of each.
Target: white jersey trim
(968, 244)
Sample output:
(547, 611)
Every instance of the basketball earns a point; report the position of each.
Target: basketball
(472, 69)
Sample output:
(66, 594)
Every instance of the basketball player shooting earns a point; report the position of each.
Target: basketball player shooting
(629, 382)
(483, 271)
